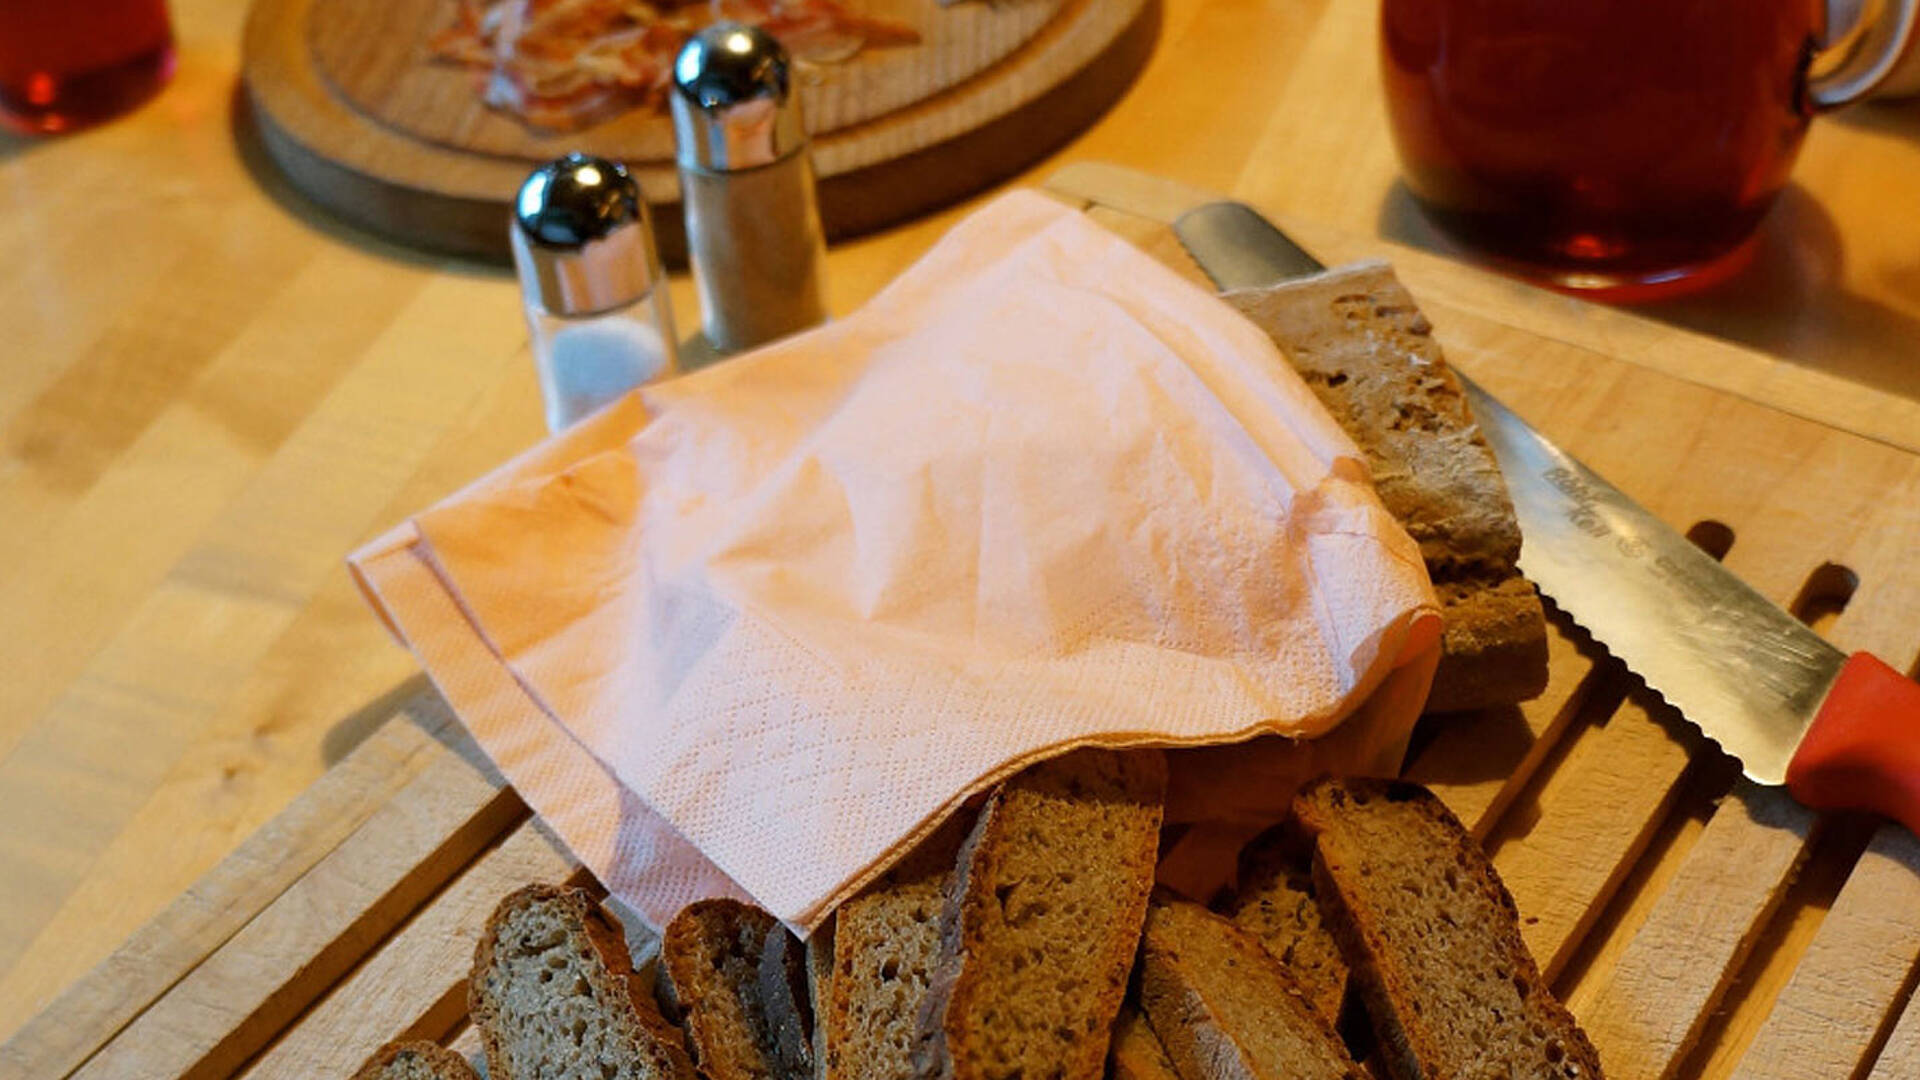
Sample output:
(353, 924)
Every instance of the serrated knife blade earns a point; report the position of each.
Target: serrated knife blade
(1843, 732)
(1749, 674)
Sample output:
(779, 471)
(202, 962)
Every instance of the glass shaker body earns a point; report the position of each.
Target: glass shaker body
(586, 361)
(596, 297)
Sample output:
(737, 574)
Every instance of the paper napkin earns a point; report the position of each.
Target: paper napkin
(756, 630)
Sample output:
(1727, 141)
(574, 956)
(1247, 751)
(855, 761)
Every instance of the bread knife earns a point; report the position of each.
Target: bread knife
(1841, 732)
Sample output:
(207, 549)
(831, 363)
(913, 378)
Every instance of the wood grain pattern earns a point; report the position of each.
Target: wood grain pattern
(243, 996)
(1901, 1055)
(217, 907)
(416, 985)
(1661, 991)
(1564, 847)
(405, 149)
(1828, 1015)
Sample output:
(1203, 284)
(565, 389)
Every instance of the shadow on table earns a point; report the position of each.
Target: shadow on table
(1900, 118)
(13, 144)
(414, 701)
(1788, 302)
(252, 150)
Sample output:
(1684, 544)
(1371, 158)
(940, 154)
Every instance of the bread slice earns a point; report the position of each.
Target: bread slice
(1224, 1008)
(1040, 927)
(787, 995)
(885, 945)
(1136, 1053)
(418, 1060)
(1358, 339)
(710, 956)
(1275, 903)
(1433, 939)
(554, 995)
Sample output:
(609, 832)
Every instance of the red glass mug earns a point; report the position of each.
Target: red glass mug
(1621, 145)
(69, 63)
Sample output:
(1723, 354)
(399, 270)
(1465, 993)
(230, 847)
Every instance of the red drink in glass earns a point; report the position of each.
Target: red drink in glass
(69, 63)
(1613, 144)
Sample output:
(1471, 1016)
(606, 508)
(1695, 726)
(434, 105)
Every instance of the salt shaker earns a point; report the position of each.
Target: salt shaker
(596, 298)
(747, 185)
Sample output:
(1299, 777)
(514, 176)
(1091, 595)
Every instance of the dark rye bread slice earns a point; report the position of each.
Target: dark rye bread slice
(1136, 1053)
(787, 995)
(554, 995)
(1358, 339)
(710, 958)
(885, 945)
(416, 1060)
(1434, 939)
(1224, 1008)
(1041, 925)
(1275, 903)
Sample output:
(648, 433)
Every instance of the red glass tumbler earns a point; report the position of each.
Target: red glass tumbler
(65, 65)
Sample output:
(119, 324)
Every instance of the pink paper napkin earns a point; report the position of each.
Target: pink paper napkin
(758, 629)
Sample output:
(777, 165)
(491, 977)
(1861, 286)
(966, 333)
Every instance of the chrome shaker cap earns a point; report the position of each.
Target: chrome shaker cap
(582, 242)
(733, 100)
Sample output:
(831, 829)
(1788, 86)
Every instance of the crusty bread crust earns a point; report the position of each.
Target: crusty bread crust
(625, 997)
(1224, 1008)
(1405, 969)
(879, 956)
(711, 953)
(1360, 342)
(1136, 1053)
(785, 994)
(390, 1061)
(1005, 917)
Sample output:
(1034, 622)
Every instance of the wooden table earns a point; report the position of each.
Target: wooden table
(210, 392)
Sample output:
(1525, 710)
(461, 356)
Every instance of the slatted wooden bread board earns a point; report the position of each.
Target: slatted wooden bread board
(1698, 926)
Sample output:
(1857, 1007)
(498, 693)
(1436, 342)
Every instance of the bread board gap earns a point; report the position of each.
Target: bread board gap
(1837, 845)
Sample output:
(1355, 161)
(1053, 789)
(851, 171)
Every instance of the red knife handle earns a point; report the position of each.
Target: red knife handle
(1863, 750)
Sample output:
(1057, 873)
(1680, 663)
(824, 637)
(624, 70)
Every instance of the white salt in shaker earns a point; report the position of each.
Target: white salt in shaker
(596, 298)
(747, 186)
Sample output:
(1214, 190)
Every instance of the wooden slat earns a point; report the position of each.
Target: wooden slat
(467, 1045)
(1563, 849)
(1479, 762)
(221, 1014)
(100, 1004)
(1662, 990)
(1900, 1057)
(415, 986)
(1850, 977)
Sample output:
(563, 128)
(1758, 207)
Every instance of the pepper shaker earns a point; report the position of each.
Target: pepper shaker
(596, 298)
(747, 186)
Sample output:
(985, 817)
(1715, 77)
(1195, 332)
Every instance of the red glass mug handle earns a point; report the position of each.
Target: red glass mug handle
(1860, 57)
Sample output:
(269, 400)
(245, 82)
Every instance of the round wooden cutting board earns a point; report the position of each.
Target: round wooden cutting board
(361, 118)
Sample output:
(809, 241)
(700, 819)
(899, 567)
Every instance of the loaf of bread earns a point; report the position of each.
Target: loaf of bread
(1224, 1008)
(1361, 344)
(415, 1061)
(1433, 939)
(886, 942)
(1042, 921)
(1274, 902)
(710, 957)
(554, 994)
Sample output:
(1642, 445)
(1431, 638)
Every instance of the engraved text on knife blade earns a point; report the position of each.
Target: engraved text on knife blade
(1743, 670)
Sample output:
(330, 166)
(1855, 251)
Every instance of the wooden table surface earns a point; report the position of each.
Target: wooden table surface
(210, 392)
